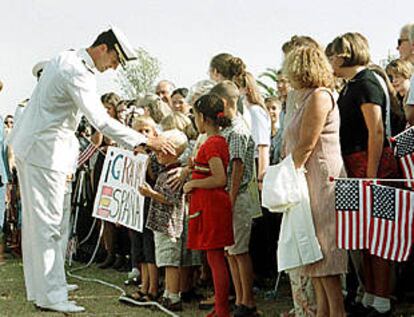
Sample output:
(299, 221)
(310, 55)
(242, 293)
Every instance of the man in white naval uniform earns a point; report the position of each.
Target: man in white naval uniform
(44, 143)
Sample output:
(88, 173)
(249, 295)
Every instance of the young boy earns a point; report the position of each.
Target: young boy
(142, 244)
(166, 220)
(239, 172)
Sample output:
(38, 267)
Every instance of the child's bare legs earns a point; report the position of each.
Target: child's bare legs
(172, 279)
(329, 298)
(145, 279)
(245, 269)
(235, 275)
(153, 279)
(186, 274)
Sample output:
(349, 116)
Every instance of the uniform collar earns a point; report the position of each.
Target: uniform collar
(87, 60)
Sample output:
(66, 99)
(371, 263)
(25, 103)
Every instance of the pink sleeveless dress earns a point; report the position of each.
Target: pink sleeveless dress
(325, 161)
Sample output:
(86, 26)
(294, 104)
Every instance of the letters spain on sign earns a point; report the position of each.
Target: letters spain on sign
(118, 199)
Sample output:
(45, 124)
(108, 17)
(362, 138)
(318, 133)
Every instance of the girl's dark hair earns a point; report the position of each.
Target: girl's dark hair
(181, 91)
(211, 106)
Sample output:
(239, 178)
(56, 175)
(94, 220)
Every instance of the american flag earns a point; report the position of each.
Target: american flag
(391, 230)
(404, 151)
(353, 205)
(86, 154)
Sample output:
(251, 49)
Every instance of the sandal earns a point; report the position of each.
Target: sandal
(137, 296)
(206, 304)
(150, 297)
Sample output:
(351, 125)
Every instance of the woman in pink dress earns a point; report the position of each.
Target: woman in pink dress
(312, 137)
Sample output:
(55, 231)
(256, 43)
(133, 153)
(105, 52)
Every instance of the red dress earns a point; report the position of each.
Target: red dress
(210, 221)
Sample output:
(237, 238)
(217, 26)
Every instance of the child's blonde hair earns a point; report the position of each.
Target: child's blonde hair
(178, 120)
(178, 139)
(144, 120)
(158, 109)
(400, 67)
(273, 99)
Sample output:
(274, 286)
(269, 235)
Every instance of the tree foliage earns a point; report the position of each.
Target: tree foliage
(139, 76)
(267, 82)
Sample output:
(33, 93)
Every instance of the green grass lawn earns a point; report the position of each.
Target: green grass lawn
(99, 300)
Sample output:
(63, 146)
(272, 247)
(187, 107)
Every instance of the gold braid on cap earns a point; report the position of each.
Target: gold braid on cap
(121, 56)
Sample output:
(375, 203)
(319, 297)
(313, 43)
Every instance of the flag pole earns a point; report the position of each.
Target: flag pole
(332, 179)
(392, 139)
(97, 147)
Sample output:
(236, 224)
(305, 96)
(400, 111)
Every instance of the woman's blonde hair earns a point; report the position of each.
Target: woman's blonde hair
(399, 67)
(158, 109)
(298, 41)
(352, 47)
(308, 67)
(178, 120)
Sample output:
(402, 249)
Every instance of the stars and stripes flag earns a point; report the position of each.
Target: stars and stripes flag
(86, 154)
(353, 213)
(391, 229)
(404, 152)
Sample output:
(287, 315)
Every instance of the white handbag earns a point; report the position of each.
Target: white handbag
(280, 186)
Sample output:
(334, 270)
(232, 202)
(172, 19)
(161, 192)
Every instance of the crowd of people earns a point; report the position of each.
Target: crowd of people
(212, 143)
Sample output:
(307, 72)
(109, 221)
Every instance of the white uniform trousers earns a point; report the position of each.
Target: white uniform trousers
(42, 192)
(66, 225)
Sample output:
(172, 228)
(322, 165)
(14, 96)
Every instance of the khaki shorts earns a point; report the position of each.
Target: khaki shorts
(167, 250)
(174, 252)
(242, 224)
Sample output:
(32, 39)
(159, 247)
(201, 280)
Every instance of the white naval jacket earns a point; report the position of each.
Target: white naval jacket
(45, 134)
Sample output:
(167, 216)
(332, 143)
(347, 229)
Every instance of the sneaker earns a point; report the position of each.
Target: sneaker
(132, 281)
(166, 302)
(357, 310)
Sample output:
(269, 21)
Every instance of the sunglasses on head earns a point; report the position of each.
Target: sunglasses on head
(400, 41)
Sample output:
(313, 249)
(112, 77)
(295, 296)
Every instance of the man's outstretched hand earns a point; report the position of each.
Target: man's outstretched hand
(160, 143)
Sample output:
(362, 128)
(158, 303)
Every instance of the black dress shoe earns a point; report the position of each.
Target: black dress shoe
(119, 262)
(358, 310)
(191, 296)
(109, 261)
(244, 311)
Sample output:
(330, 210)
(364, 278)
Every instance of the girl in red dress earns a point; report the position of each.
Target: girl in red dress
(210, 225)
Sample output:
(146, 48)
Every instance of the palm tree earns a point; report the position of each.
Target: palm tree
(270, 74)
